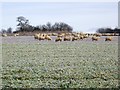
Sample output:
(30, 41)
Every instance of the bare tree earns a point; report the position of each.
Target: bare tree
(49, 26)
(9, 30)
(3, 31)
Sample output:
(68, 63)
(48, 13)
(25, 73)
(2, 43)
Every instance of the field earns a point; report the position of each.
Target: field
(29, 63)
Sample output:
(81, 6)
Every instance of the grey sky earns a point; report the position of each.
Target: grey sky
(82, 16)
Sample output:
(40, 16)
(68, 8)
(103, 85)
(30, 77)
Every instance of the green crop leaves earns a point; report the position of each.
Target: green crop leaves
(60, 65)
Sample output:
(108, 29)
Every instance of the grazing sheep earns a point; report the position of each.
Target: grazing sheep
(85, 36)
(82, 37)
(4, 35)
(16, 34)
(54, 34)
(75, 34)
(43, 34)
(68, 34)
(61, 35)
(98, 34)
(36, 36)
(41, 37)
(116, 34)
(58, 39)
(108, 39)
(112, 34)
(107, 34)
(81, 33)
(75, 38)
(95, 38)
(67, 38)
(48, 37)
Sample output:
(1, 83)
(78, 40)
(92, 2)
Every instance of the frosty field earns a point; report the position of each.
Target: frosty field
(28, 63)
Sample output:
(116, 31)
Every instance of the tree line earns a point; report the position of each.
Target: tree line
(24, 26)
(9, 30)
(108, 30)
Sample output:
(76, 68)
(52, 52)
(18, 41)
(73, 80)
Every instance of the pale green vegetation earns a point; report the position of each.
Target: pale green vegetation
(60, 65)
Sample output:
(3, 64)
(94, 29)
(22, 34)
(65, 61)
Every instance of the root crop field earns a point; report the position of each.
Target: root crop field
(28, 63)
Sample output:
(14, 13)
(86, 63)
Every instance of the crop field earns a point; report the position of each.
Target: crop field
(30, 63)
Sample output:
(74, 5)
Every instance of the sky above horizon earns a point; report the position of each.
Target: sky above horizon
(82, 16)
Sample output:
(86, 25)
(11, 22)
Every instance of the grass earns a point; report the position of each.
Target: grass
(60, 65)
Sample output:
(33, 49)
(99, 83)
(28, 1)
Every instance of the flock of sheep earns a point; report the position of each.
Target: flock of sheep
(71, 36)
(68, 36)
(5, 35)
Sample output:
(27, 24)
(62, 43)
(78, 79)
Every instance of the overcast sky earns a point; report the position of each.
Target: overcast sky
(82, 16)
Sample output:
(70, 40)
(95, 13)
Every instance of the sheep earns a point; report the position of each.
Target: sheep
(98, 34)
(107, 34)
(75, 38)
(112, 34)
(54, 34)
(85, 36)
(81, 33)
(48, 37)
(41, 37)
(81, 37)
(36, 36)
(68, 34)
(108, 39)
(43, 34)
(61, 35)
(116, 34)
(75, 34)
(58, 39)
(67, 38)
(4, 35)
(95, 38)
(16, 34)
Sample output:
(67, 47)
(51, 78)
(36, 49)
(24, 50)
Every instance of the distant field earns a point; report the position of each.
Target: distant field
(30, 63)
